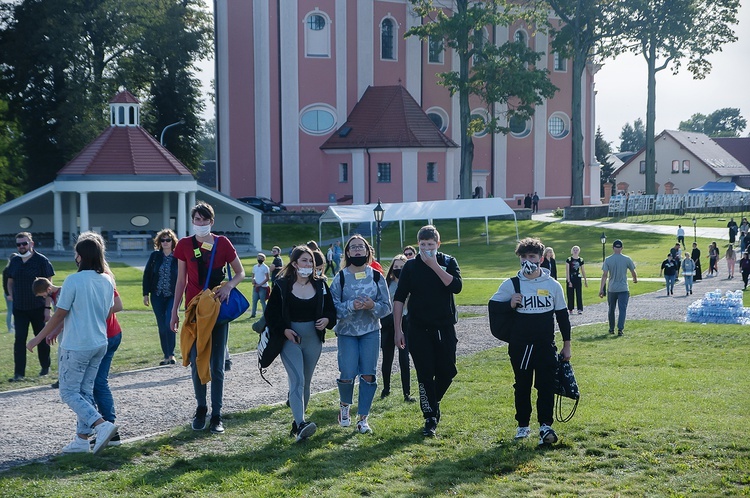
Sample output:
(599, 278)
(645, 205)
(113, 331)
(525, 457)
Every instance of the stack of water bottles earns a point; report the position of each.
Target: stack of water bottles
(715, 308)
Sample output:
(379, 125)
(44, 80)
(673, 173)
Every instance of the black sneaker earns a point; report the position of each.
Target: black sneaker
(199, 419)
(294, 430)
(305, 430)
(17, 378)
(547, 435)
(216, 426)
(620, 333)
(430, 426)
(56, 385)
(44, 371)
(409, 398)
(385, 393)
(227, 365)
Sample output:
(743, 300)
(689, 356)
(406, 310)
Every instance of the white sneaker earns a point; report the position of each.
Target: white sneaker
(363, 427)
(547, 435)
(104, 432)
(522, 432)
(77, 445)
(344, 420)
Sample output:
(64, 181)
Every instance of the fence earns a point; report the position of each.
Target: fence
(671, 205)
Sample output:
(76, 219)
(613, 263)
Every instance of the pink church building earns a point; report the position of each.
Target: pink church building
(322, 103)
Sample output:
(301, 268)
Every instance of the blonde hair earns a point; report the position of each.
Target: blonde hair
(551, 251)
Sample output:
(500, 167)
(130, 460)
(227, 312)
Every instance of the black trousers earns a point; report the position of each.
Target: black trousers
(534, 363)
(574, 293)
(387, 333)
(434, 353)
(24, 318)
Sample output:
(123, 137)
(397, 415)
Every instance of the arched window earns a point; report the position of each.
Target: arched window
(132, 115)
(121, 115)
(317, 34)
(388, 39)
(520, 36)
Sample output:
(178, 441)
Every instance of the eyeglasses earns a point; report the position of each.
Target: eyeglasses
(21, 244)
(357, 248)
(165, 240)
(408, 254)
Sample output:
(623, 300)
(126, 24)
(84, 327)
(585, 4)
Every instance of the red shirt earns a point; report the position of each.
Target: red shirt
(113, 326)
(225, 253)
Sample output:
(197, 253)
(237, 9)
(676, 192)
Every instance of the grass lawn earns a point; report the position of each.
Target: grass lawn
(659, 416)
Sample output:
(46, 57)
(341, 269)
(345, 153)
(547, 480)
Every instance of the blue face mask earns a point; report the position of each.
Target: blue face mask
(527, 267)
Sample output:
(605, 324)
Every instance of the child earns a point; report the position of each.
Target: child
(42, 287)
(531, 347)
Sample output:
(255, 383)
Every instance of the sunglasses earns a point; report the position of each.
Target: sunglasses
(21, 244)
(165, 240)
(407, 254)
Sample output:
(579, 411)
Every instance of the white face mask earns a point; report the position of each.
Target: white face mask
(201, 230)
(304, 272)
(26, 255)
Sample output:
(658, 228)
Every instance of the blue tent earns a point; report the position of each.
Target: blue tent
(717, 187)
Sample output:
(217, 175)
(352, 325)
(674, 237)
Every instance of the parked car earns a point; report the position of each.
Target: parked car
(264, 204)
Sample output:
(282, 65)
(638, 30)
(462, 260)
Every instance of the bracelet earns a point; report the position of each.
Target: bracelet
(48, 307)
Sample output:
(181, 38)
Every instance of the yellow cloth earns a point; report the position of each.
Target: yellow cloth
(200, 318)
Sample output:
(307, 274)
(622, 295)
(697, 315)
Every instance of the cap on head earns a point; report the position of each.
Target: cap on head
(617, 243)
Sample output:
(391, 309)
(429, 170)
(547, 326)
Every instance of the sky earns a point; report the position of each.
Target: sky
(622, 93)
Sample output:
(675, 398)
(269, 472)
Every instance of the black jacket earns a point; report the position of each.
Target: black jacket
(151, 273)
(277, 310)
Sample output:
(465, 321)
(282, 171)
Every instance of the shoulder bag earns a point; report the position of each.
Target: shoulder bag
(501, 322)
(236, 304)
(565, 387)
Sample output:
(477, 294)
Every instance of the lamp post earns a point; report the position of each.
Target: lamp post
(161, 139)
(695, 229)
(378, 212)
(604, 241)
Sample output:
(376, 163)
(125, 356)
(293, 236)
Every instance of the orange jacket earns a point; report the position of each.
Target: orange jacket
(200, 318)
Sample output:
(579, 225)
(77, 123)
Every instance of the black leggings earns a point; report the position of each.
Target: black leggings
(575, 291)
(388, 347)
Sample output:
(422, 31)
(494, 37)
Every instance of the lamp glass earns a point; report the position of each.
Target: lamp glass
(379, 212)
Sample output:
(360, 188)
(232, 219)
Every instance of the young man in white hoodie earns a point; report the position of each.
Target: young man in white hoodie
(531, 346)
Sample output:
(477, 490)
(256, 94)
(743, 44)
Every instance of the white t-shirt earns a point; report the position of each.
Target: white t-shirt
(87, 296)
(261, 272)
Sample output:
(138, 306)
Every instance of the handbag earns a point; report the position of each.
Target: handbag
(501, 321)
(565, 387)
(269, 347)
(236, 304)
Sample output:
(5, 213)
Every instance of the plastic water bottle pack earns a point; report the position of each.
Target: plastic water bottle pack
(715, 308)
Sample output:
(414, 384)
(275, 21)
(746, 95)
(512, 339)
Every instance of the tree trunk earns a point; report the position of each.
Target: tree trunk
(651, 121)
(467, 144)
(577, 161)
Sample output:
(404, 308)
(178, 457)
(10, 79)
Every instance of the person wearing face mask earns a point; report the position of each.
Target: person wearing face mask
(429, 282)
(361, 299)
(28, 309)
(261, 276)
(320, 264)
(193, 257)
(387, 332)
(301, 308)
(531, 346)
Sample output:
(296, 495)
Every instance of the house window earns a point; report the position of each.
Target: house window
(558, 125)
(387, 38)
(343, 173)
(435, 45)
(479, 39)
(675, 166)
(560, 63)
(520, 37)
(317, 119)
(643, 168)
(431, 172)
(686, 166)
(519, 127)
(384, 172)
(317, 35)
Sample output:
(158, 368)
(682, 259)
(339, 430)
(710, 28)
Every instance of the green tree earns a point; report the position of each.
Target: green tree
(602, 149)
(725, 122)
(11, 173)
(586, 24)
(499, 74)
(666, 33)
(633, 137)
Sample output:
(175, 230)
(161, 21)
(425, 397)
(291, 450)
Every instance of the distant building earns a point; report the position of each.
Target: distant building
(326, 102)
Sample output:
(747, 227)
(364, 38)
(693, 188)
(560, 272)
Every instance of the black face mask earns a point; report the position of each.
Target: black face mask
(397, 273)
(358, 260)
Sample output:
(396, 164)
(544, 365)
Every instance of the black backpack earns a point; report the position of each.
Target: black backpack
(375, 278)
(502, 320)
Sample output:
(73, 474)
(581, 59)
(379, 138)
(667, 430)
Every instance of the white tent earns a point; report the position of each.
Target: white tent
(427, 210)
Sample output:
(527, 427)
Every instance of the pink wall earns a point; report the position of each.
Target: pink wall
(431, 191)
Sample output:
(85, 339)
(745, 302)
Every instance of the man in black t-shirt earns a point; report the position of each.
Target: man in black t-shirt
(276, 264)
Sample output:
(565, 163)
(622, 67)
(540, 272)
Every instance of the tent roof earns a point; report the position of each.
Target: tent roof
(718, 187)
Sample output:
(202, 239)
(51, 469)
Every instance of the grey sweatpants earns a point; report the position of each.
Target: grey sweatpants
(299, 361)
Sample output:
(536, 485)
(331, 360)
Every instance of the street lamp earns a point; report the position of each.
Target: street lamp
(695, 229)
(604, 241)
(379, 212)
(161, 139)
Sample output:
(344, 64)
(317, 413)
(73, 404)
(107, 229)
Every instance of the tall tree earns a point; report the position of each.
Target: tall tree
(12, 174)
(499, 73)
(586, 24)
(725, 122)
(633, 137)
(64, 59)
(602, 149)
(668, 32)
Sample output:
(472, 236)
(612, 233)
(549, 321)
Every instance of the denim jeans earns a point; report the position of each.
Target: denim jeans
(688, 283)
(9, 314)
(105, 403)
(259, 294)
(162, 307)
(77, 373)
(619, 299)
(218, 345)
(358, 355)
(670, 283)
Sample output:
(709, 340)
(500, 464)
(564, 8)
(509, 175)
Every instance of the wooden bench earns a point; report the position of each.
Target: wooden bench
(133, 242)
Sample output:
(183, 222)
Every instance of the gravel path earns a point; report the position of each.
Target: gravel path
(154, 400)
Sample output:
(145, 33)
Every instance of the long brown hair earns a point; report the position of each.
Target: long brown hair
(389, 277)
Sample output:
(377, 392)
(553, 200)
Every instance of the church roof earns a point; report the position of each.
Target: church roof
(124, 150)
(386, 117)
(124, 97)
